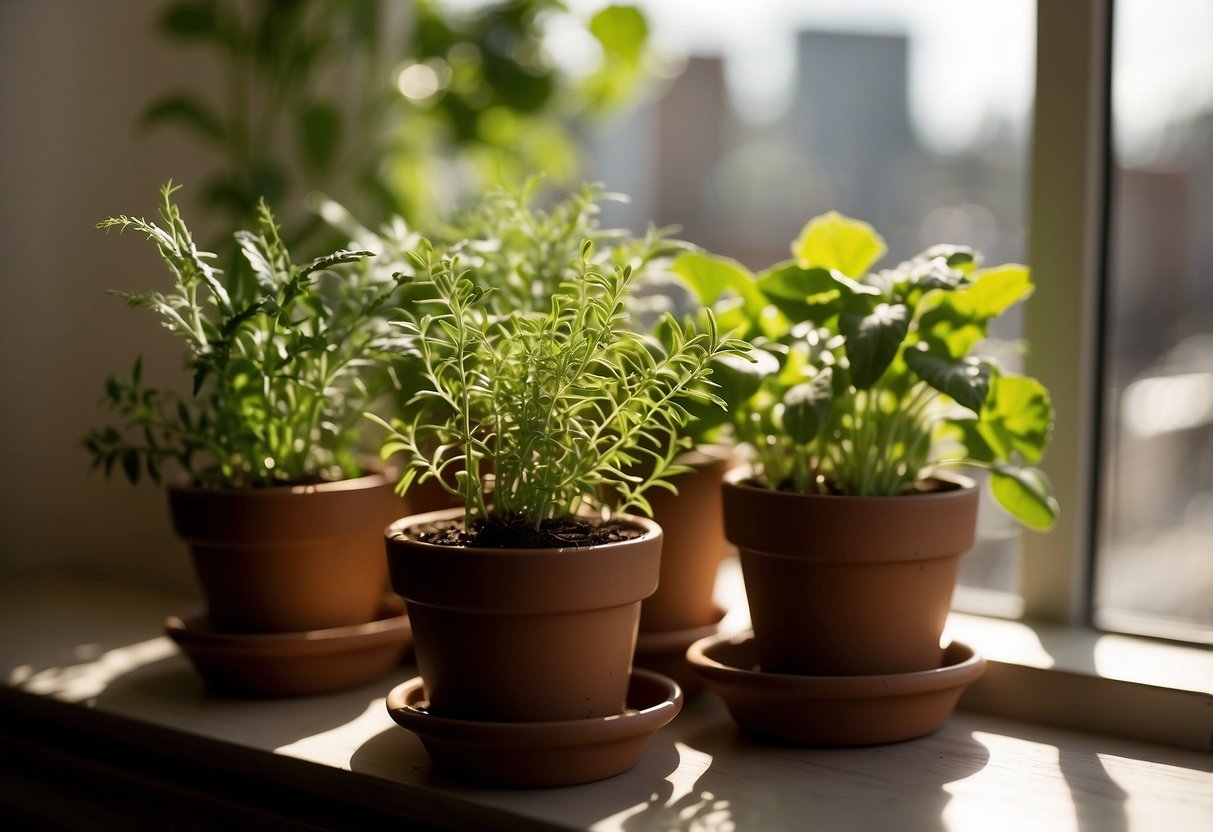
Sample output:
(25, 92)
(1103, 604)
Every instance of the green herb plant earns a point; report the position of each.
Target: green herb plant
(527, 416)
(863, 383)
(282, 365)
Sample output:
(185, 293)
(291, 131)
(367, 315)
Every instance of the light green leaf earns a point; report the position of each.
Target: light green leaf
(832, 241)
(1026, 493)
(712, 278)
(995, 290)
(1017, 417)
(622, 31)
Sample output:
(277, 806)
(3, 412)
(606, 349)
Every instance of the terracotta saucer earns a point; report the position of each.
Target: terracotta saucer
(540, 753)
(292, 664)
(832, 710)
(666, 653)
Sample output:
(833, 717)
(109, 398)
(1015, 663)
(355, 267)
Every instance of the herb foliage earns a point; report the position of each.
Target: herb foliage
(282, 364)
(526, 414)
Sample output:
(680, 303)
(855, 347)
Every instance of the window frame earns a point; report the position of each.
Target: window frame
(1068, 207)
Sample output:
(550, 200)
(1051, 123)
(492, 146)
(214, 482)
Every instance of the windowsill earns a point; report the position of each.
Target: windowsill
(89, 661)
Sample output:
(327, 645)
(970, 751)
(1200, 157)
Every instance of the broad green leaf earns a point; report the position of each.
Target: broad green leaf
(947, 326)
(967, 381)
(832, 241)
(1017, 417)
(809, 294)
(187, 110)
(1026, 493)
(738, 378)
(711, 277)
(319, 135)
(806, 408)
(873, 340)
(995, 290)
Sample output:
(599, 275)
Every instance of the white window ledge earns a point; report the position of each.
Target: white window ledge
(89, 661)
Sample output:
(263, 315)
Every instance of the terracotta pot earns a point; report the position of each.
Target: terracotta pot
(692, 523)
(523, 635)
(288, 559)
(849, 585)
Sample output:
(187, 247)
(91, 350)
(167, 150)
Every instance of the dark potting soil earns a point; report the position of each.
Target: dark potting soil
(561, 533)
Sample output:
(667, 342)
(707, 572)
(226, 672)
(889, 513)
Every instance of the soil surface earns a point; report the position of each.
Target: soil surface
(562, 533)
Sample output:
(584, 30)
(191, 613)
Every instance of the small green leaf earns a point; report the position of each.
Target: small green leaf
(806, 407)
(832, 241)
(1026, 493)
(873, 340)
(967, 381)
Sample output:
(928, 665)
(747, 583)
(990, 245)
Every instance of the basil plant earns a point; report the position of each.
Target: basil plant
(864, 382)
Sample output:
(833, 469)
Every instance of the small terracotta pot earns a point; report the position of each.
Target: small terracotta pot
(523, 635)
(693, 525)
(849, 586)
(288, 559)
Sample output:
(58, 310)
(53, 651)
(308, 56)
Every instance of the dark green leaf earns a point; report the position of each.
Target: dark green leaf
(873, 340)
(967, 381)
(130, 464)
(806, 407)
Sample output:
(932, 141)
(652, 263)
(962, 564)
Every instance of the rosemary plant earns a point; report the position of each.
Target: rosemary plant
(282, 365)
(526, 416)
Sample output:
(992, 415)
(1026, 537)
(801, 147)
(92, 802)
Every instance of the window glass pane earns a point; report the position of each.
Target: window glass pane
(1154, 572)
(912, 116)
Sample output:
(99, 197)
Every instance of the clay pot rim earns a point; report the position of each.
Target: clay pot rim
(192, 632)
(962, 665)
(736, 478)
(395, 533)
(373, 479)
(659, 699)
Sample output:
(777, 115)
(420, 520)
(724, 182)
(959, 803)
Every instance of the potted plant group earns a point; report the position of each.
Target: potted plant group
(868, 389)
(525, 599)
(268, 485)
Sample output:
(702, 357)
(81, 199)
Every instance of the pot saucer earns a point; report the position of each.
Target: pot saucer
(832, 710)
(292, 664)
(666, 652)
(560, 753)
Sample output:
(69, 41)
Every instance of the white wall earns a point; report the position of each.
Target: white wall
(74, 75)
